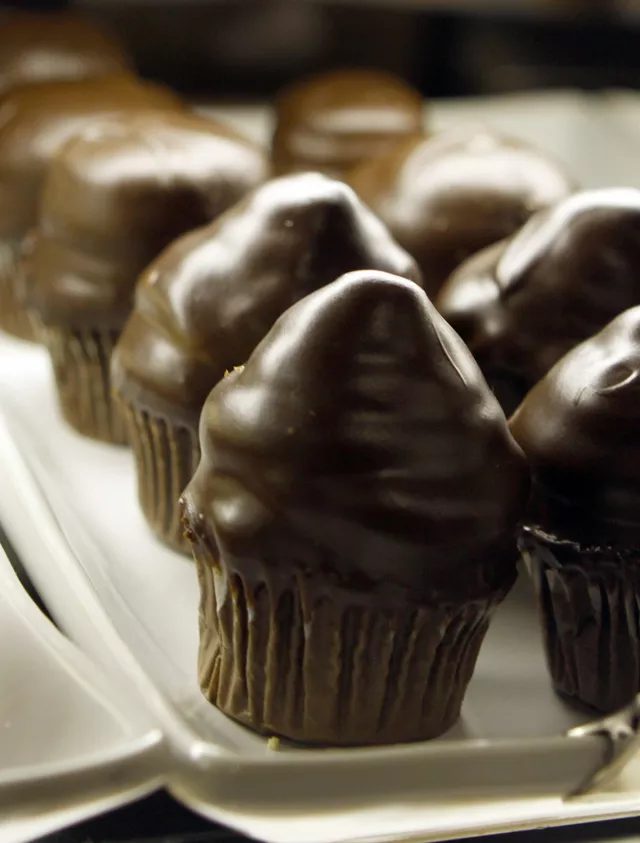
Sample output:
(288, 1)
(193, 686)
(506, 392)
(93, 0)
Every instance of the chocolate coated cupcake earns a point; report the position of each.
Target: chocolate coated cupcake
(522, 304)
(334, 121)
(210, 298)
(353, 521)
(114, 197)
(53, 47)
(580, 429)
(35, 122)
(446, 197)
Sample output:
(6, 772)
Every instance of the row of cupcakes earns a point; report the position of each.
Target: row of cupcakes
(357, 509)
(442, 198)
(359, 465)
(353, 493)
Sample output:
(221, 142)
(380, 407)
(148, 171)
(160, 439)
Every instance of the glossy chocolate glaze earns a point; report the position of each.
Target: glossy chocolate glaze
(446, 197)
(116, 196)
(208, 300)
(361, 441)
(35, 122)
(47, 47)
(521, 305)
(580, 429)
(334, 121)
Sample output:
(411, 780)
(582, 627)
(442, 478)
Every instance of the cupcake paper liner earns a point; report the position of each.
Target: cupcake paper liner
(589, 603)
(323, 666)
(14, 319)
(167, 456)
(81, 366)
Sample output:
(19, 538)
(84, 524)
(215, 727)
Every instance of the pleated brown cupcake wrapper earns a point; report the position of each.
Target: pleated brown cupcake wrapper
(327, 671)
(589, 603)
(81, 360)
(14, 319)
(167, 456)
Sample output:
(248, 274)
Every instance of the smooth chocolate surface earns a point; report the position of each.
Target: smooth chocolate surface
(116, 196)
(521, 305)
(35, 122)
(446, 197)
(46, 47)
(210, 298)
(360, 440)
(580, 429)
(334, 121)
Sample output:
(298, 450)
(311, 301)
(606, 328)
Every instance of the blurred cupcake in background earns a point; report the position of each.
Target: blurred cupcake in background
(210, 298)
(522, 304)
(55, 47)
(333, 121)
(35, 122)
(446, 197)
(114, 197)
(580, 430)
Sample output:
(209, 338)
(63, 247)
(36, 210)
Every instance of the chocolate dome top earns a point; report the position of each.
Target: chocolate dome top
(45, 47)
(521, 305)
(361, 438)
(335, 120)
(208, 300)
(580, 429)
(35, 121)
(446, 197)
(120, 192)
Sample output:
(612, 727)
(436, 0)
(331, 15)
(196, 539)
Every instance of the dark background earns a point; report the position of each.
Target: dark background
(249, 48)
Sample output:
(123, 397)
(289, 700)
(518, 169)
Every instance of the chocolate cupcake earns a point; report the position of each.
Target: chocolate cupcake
(54, 47)
(353, 521)
(522, 304)
(334, 121)
(114, 197)
(446, 197)
(210, 298)
(580, 429)
(35, 122)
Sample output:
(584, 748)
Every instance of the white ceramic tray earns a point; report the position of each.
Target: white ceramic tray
(71, 745)
(517, 759)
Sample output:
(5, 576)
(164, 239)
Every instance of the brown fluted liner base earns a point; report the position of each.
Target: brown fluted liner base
(166, 455)
(589, 603)
(81, 362)
(14, 319)
(333, 670)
